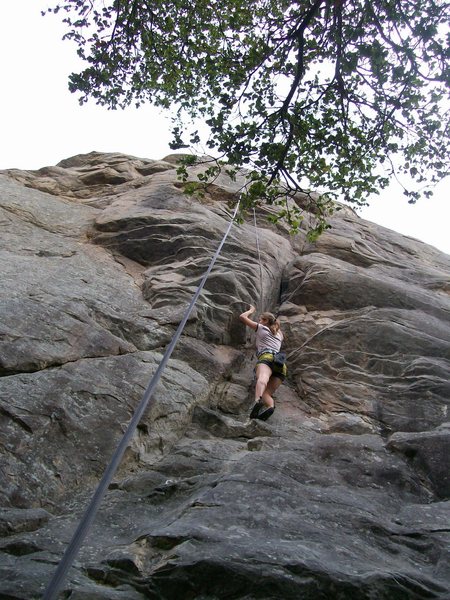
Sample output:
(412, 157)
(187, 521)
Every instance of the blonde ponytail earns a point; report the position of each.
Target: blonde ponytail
(272, 322)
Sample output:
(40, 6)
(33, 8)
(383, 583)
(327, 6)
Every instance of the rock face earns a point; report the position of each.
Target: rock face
(343, 493)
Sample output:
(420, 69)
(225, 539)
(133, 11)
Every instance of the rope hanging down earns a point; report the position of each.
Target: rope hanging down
(260, 295)
(57, 581)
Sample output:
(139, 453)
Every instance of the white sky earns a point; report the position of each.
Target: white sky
(42, 122)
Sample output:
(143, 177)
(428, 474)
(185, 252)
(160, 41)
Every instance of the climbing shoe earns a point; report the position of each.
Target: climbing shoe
(265, 414)
(255, 410)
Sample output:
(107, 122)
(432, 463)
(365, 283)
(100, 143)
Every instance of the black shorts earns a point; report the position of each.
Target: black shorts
(266, 358)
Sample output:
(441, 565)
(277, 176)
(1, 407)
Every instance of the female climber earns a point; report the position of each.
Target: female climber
(270, 373)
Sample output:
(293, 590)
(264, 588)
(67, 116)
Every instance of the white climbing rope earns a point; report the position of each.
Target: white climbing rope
(260, 295)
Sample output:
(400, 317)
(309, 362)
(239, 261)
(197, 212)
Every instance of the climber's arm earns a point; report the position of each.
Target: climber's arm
(245, 318)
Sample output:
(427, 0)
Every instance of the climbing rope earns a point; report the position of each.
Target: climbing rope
(260, 295)
(57, 581)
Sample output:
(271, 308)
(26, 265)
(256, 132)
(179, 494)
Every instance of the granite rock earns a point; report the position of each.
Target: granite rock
(343, 493)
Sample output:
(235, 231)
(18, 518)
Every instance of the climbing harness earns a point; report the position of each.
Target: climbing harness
(278, 358)
(66, 562)
(275, 360)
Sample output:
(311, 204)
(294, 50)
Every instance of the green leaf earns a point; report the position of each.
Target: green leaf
(320, 95)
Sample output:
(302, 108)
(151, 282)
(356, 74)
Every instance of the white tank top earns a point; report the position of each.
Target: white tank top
(265, 340)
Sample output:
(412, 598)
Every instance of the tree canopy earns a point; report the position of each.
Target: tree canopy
(336, 96)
